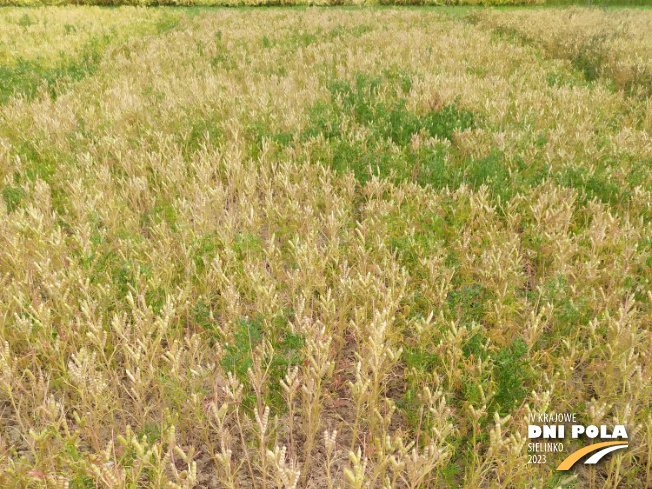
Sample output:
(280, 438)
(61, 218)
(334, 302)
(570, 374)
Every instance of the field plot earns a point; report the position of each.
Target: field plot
(321, 248)
(615, 45)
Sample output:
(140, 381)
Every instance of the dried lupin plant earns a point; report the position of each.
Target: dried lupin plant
(378, 238)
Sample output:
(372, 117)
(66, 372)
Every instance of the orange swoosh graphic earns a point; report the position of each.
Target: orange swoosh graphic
(575, 456)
